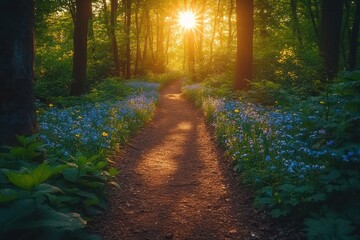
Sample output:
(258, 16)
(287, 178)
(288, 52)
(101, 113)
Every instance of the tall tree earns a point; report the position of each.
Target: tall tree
(127, 4)
(354, 38)
(80, 47)
(17, 109)
(295, 21)
(244, 55)
(330, 33)
(114, 45)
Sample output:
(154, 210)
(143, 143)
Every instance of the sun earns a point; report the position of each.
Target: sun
(187, 20)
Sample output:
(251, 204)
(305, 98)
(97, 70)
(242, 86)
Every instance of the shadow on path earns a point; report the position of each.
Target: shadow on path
(174, 185)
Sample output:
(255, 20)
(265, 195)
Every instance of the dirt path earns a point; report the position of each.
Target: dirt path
(174, 185)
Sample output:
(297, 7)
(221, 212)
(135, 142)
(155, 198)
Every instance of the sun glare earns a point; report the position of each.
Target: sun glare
(187, 20)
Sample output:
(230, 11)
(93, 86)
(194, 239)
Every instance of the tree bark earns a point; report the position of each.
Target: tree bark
(245, 29)
(331, 19)
(295, 22)
(127, 38)
(114, 44)
(214, 32)
(354, 38)
(17, 109)
(231, 10)
(80, 47)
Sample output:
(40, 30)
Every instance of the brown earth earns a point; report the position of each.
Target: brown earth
(176, 184)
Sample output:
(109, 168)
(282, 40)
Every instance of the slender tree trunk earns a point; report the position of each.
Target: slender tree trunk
(312, 18)
(114, 44)
(80, 47)
(295, 21)
(138, 25)
(231, 10)
(17, 109)
(245, 29)
(354, 38)
(127, 39)
(200, 52)
(214, 32)
(330, 35)
(147, 33)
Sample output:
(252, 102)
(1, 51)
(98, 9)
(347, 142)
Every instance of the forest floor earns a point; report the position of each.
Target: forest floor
(176, 184)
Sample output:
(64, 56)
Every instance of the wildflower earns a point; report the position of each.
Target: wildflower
(80, 117)
(236, 111)
(77, 135)
(322, 102)
(51, 105)
(105, 134)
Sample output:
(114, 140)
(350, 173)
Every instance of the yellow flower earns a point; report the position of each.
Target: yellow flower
(236, 110)
(80, 117)
(77, 135)
(51, 105)
(105, 134)
(322, 102)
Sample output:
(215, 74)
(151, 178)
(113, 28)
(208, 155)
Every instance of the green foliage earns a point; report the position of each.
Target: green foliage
(331, 226)
(49, 198)
(301, 155)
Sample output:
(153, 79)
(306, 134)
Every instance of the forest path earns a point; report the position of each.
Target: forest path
(175, 184)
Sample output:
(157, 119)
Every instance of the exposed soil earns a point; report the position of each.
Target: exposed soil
(176, 184)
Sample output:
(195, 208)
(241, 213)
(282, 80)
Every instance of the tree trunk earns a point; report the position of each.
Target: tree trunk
(17, 109)
(245, 29)
(330, 35)
(312, 18)
(114, 45)
(127, 38)
(80, 47)
(354, 38)
(214, 32)
(138, 26)
(231, 10)
(295, 22)
(200, 53)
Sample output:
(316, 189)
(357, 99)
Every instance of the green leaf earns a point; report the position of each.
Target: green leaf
(29, 180)
(45, 188)
(71, 174)
(8, 195)
(287, 187)
(113, 172)
(17, 211)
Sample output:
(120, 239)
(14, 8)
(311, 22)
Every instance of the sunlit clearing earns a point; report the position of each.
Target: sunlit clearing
(187, 20)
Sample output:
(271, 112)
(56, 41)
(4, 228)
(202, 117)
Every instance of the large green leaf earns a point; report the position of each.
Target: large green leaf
(32, 179)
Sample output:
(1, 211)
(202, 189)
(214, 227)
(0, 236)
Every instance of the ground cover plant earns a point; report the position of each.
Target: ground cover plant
(302, 160)
(55, 181)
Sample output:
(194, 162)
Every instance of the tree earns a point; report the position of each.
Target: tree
(244, 55)
(82, 17)
(330, 33)
(354, 38)
(127, 4)
(17, 109)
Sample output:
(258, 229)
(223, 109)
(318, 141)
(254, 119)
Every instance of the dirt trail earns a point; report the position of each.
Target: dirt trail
(175, 184)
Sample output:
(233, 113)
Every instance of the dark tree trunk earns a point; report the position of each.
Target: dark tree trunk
(80, 47)
(312, 18)
(114, 45)
(354, 38)
(214, 32)
(138, 26)
(245, 29)
(230, 39)
(127, 39)
(17, 109)
(331, 19)
(295, 21)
